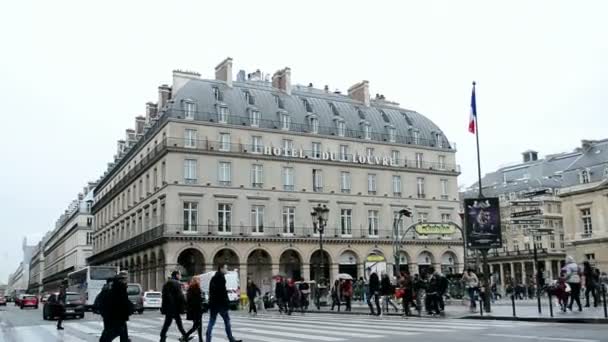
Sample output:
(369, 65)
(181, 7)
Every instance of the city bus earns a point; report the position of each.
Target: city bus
(89, 281)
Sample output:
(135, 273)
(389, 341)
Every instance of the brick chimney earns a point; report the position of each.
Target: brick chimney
(223, 71)
(164, 95)
(140, 121)
(360, 92)
(282, 80)
(151, 111)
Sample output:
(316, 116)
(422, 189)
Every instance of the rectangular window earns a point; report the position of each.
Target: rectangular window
(317, 180)
(371, 184)
(400, 223)
(224, 173)
(316, 150)
(287, 146)
(89, 238)
(223, 114)
(345, 182)
(444, 189)
(392, 134)
(224, 141)
(397, 186)
(423, 217)
(257, 218)
(314, 125)
(190, 171)
(288, 179)
(341, 127)
(441, 163)
(587, 224)
(372, 223)
(346, 221)
(224, 218)
(446, 217)
(395, 156)
(419, 160)
(285, 121)
(190, 138)
(154, 180)
(257, 175)
(163, 173)
(289, 220)
(217, 94)
(420, 187)
(256, 144)
(189, 110)
(190, 216)
(367, 132)
(590, 256)
(344, 152)
(416, 137)
(254, 118)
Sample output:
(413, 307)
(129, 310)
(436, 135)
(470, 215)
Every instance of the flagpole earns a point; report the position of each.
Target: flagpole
(477, 139)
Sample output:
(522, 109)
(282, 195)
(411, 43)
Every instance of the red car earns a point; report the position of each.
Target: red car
(2, 301)
(29, 301)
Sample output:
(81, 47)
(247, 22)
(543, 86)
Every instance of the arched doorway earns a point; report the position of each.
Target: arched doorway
(191, 262)
(226, 257)
(317, 270)
(290, 264)
(425, 263)
(348, 263)
(404, 261)
(375, 262)
(259, 269)
(449, 263)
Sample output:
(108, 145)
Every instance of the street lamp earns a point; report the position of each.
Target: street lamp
(397, 238)
(319, 216)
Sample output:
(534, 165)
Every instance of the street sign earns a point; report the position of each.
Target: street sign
(536, 193)
(525, 213)
(435, 228)
(540, 231)
(527, 221)
(526, 203)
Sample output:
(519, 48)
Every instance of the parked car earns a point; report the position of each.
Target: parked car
(152, 300)
(45, 298)
(18, 300)
(30, 301)
(3, 300)
(74, 306)
(135, 293)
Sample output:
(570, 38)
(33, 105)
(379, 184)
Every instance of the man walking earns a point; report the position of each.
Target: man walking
(219, 303)
(61, 303)
(173, 305)
(116, 309)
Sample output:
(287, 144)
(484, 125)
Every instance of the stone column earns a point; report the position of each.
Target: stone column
(333, 272)
(548, 271)
(275, 268)
(524, 278)
(305, 271)
(243, 276)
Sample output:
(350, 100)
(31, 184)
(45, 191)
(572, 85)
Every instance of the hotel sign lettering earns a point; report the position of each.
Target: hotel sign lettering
(332, 156)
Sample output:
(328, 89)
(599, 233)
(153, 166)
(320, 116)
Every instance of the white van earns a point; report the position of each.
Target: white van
(232, 286)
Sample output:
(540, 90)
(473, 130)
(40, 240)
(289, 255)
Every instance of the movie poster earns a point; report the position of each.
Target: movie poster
(482, 223)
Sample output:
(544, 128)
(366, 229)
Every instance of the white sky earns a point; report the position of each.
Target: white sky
(73, 75)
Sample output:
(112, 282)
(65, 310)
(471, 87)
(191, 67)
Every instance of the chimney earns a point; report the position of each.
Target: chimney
(586, 145)
(223, 71)
(80, 196)
(530, 156)
(282, 80)
(121, 147)
(151, 111)
(164, 95)
(360, 92)
(241, 76)
(140, 121)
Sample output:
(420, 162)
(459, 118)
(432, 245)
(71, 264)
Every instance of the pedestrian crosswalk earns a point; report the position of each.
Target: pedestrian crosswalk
(269, 327)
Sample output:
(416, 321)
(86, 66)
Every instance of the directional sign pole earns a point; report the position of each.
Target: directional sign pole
(537, 275)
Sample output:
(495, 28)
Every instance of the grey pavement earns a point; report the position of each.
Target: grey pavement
(27, 325)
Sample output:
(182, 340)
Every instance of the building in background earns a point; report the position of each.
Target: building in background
(36, 268)
(228, 171)
(18, 281)
(67, 247)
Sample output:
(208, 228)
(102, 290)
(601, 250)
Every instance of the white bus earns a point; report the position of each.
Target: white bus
(89, 281)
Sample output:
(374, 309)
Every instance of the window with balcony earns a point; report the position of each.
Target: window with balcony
(288, 178)
(395, 157)
(317, 180)
(419, 160)
(222, 114)
(420, 187)
(373, 226)
(289, 220)
(257, 218)
(190, 216)
(257, 175)
(224, 218)
(190, 176)
(190, 138)
(586, 221)
(285, 121)
(345, 183)
(225, 142)
(314, 125)
(256, 144)
(224, 173)
(441, 164)
(189, 109)
(343, 152)
(346, 221)
(154, 180)
(444, 189)
(316, 150)
(396, 186)
(254, 118)
(371, 184)
(341, 128)
(163, 172)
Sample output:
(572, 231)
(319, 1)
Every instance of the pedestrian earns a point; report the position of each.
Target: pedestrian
(573, 278)
(560, 292)
(373, 293)
(432, 294)
(305, 293)
(195, 308)
(219, 304)
(387, 291)
(471, 283)
(335, 295)
(252, 292)
(591, 283)
(116, 309)
(279, 294)
(61, 298)
(418, 287)
(405, 288)
(444, 285)
(291, 295)
(347, 293)
(173, 305)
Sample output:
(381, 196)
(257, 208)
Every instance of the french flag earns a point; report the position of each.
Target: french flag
(473, 117)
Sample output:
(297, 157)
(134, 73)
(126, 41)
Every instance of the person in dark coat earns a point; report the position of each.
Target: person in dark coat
(173, 305)
(591, 281)
(219, 304)
(116, 310)
(374, 293)
(252, 292)
(61, 298)
(194, 308)
(279, 290)
(335, 295)
(387, 291)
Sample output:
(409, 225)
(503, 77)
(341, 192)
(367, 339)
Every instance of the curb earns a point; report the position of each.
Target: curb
(541, 319)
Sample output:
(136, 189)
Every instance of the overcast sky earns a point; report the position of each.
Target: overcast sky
(73, 76)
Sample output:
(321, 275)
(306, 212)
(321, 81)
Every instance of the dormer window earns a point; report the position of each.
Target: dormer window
(341, 128)
(222, 114)
(314, 125)
(189, 109)
(360, 113)
(384, 116)
(367, 131)
(415, 137)
(279, 102)
(392, 134)
(307, 105)
(217, 94)
(254, 118)
(438, 140)
(407, 118)
(333, 108)
(584, 176)
(250, 99)
(285, 121)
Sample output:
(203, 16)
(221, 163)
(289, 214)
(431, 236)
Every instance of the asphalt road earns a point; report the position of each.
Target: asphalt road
(27, 325)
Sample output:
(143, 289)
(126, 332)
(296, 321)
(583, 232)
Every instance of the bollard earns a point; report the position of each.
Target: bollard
(481, 301)
(604, 300)
(513, 304)
(550, 304)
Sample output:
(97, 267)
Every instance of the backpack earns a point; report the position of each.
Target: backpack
(100, 304)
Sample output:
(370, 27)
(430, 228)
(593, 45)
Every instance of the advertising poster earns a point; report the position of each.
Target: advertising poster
(482, 223)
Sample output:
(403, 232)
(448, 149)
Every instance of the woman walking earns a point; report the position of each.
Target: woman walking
(471, 282)
(194, 309)
(335, 295)
(573, 278)
(347, 293)
(387, 290)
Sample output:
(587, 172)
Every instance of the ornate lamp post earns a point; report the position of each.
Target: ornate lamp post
(319, 215)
